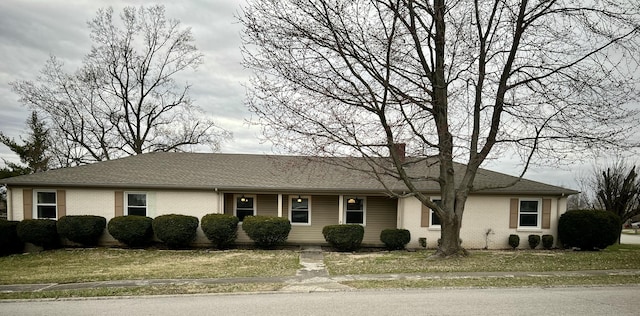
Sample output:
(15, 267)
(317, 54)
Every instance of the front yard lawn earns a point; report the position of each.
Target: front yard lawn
(614, 257)
(101, 264)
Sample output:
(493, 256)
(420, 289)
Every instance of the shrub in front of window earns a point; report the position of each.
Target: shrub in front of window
(547, 241)
(267, 232)
(514, 241)
(534, 241)
(132, 230)
(395, 239)
(82, 229)
(344, 237)
(220, 229)
(40, 232)
(175, 230)
(588, 229)
(10, 243)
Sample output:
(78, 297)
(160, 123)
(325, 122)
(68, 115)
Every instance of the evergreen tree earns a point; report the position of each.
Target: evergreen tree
(33, 153)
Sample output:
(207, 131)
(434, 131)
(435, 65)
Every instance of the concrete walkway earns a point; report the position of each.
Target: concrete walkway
(312, 277)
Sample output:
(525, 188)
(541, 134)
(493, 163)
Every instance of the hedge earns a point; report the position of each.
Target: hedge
(175, 230)
(534, 241)
(344, 237)
(82, 229)
(547, 241)
(514, 241)
(220, 229)
(589, 229)
(267, 232)
(10, 243)
(395, 239)
(132, 230)
(40, 232)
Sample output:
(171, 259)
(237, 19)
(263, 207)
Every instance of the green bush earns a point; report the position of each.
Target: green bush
(10, 243)
(547, 241)
(220, 229)
(267, 231)
(175, 230)
(514, 241)
(588, 229)
(344, 237)
(395, 239)
(40, 232)
(83, 229)
(132, 230)
(534, 241)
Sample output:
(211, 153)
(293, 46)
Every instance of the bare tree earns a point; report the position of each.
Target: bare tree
(617, 190)
(457, 81)
(124, 99)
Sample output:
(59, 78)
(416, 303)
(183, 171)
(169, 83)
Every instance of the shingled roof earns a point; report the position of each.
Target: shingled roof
(259, 173)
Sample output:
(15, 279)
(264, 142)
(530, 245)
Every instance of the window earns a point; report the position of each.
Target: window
(355, 212)
(136, 204)
(434, 220)
(529, 213)
(300, 210)
(244, 206)
(46, 204)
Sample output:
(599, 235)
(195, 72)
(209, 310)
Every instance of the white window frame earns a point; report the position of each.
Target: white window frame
(126, 202)
(364, 209)
(432, 213)
(36, 204)
(295, 197)
(539, 213)
(235, 203)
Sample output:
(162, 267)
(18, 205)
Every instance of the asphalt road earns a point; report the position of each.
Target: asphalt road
(617, 301)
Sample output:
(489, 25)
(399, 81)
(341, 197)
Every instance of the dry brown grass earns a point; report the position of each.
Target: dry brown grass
(85, 265)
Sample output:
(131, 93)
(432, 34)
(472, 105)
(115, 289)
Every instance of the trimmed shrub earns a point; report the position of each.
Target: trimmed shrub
(344, 237)
(395, 239)
(514, 241)
(547, 241)
(423, 242)
(10, 243)
(267, 232)
(589, 229)
(534, 241)
(132, 230)
(220, 229)
(175, 230)
(40, 232)
(83, 229)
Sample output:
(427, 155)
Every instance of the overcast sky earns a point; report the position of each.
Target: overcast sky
(32, 30)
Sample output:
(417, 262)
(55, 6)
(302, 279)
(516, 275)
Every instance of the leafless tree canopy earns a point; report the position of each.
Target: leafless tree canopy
(454, 80)
(124, 99)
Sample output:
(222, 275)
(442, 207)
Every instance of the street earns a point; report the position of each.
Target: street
(622, 300)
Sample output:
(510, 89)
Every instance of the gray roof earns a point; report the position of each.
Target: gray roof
(256, 173)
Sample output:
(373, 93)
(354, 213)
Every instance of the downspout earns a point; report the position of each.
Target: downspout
(340, 208)
(9, 204)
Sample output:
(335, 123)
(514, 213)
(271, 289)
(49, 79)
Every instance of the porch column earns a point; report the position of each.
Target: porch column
(279, 204)
(340, 208)
(220, 196)
(400, 212)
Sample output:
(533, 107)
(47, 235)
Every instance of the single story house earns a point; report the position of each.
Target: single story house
(311, 193)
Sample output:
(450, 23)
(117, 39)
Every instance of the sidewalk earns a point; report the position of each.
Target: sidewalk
(312, 277)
